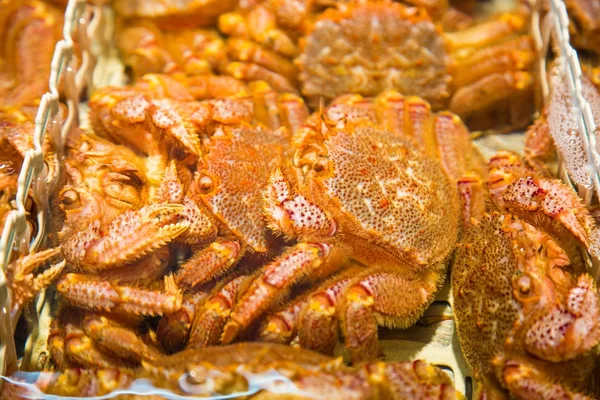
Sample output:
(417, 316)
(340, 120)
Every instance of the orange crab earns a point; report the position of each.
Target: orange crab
(365, 47)
(111, 224)
(256, 370)
(355, 191)
(527, 312)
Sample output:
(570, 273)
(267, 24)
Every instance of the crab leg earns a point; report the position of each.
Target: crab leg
(527, 383)
(472, 194)
(310, 321)
(210, 317)
(274, 282)
(488, 91)
(23, 283)
(317, 322)
(92, 294)
(281, 327)
(486, 33)
(248, 51)
(83, 351)
(516, 55)
(277, 109)
(118, 339)
(209, 263)
(254, 72)
(384, 296)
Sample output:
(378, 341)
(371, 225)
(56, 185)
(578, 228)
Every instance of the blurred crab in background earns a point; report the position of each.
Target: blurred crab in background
(257, 370)
(481, 72)
(526, 310)
(353, 193)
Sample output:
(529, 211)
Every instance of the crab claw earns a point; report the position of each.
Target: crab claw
(568, 331)
(524, 192)
(23, 283)
(127, 238)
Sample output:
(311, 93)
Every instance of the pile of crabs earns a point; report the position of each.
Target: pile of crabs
(269, 185)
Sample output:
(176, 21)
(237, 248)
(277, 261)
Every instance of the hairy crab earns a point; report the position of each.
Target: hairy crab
(527, 312)
(111, 227)
(224, 199)
(255, 370)
(114, 241)
(357, 190)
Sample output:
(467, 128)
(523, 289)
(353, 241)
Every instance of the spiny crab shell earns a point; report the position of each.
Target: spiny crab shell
(382, 190)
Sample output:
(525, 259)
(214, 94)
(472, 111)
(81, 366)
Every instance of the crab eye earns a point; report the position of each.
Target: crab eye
(524, 288)
(320, 166)
(70, 200)
(524, 285)
(206, 184)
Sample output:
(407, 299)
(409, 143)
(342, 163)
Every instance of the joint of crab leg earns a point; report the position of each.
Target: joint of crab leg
(210, 317)
(472, 195)
(209, 263)
(318, 328)
(414, 379)
(518, 54)
(167, 121)
(565, 333)
(294, 216)
(254, 72)
(87, 293)
(390, 110)
(274, 283)
(173, 329)
(358, 322)
(279, 327)
(247, 51)
(318, 321)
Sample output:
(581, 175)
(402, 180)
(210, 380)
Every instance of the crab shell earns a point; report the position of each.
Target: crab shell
(388, 199)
